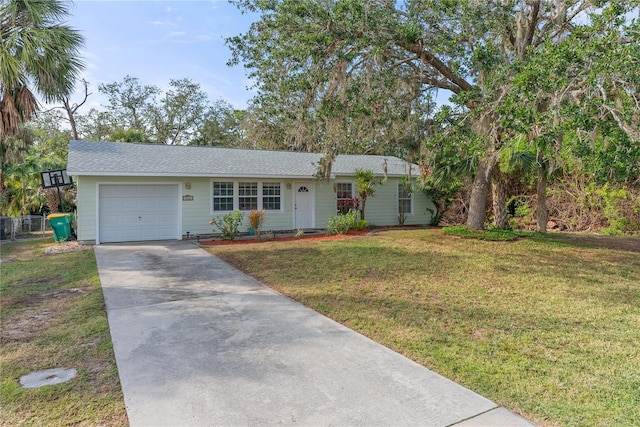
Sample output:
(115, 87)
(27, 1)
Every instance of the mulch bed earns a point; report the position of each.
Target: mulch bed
(313, 237)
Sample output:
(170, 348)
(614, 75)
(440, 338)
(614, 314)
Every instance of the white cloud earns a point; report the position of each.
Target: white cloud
(174, 34)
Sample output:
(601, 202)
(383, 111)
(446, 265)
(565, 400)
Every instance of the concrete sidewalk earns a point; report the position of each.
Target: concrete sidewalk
(198, 343)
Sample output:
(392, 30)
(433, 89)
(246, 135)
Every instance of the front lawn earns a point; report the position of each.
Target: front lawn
(546, 326)
(53, 317)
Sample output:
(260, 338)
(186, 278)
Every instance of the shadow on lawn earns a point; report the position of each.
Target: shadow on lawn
(631, 244)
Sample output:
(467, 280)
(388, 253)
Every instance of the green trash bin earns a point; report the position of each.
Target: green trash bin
(61, 225)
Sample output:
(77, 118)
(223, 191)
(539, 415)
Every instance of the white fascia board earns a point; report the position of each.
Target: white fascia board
(189, 175)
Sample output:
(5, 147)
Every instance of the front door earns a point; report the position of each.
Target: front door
(303, 205)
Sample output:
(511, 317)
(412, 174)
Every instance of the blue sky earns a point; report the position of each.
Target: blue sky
(156, 41)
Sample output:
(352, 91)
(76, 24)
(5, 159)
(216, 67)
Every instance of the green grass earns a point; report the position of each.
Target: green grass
(53, 317)
(546, 326)
(495, 235)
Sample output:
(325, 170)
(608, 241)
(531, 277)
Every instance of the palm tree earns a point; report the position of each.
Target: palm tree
(366, 183)
(38, 56)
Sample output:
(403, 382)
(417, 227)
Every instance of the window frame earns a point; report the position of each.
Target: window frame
(262, 196)
(236, 194)
(226, 196)
(338, 183)
(399, 199)
(243, 186)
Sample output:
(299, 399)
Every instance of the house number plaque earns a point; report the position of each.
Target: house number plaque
(187, 198)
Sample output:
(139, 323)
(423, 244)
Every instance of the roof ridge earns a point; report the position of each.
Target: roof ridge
(148, 144)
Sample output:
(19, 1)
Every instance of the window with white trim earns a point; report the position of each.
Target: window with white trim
(405, 200)
(271, 196)
(222, 196)
(344, 196)
(247, 196)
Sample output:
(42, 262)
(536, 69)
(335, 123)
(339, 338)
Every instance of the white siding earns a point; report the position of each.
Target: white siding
(382, 209)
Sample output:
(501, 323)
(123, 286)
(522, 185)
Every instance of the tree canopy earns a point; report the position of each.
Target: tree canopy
(181, 115)
(344, 75)
(39, 56)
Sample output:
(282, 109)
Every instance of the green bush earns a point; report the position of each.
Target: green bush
(523, 210)
(360, 224)
(494, 234)
(228, 224)
(614, 201)
(342, 223)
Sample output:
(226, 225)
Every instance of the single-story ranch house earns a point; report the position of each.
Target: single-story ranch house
(135, 192)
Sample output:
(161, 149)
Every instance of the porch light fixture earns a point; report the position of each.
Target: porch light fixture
(187, 185)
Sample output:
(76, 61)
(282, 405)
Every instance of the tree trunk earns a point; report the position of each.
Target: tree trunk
(542, 214)
(363, 201)
(74, 129)
(500, 191)
(479, 193)
(71, 109)
(52, 200)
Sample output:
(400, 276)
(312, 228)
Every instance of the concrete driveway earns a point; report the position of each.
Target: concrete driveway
(199, 343)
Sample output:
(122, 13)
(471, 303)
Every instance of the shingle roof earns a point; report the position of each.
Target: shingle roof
(125, 159)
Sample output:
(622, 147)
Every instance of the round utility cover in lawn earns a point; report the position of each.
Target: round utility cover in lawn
(48, 377)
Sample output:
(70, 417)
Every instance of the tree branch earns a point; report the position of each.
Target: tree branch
(439, 83)
(404, 61)
(532, 25)
(566, 24)
(428, 58)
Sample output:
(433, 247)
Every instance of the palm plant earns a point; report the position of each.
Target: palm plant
(537, 158)
(22, 185)
(38, 56)
(366, 183)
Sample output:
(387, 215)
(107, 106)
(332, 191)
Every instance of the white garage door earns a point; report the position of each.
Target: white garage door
(129, 213)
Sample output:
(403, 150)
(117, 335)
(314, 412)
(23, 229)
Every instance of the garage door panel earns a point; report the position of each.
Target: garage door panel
(117, 191)
(150, 204)
(138, 212)
(128, 220)
(110, 237)
(148, 220)
(166, 235)
(109, 219)
(148, 235)
(128, 204)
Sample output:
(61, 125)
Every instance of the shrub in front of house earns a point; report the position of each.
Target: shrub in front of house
(342, 223)
(256, 219)
(228, 224)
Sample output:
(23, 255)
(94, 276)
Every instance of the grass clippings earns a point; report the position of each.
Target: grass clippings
(53, 317)
(546, 326)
